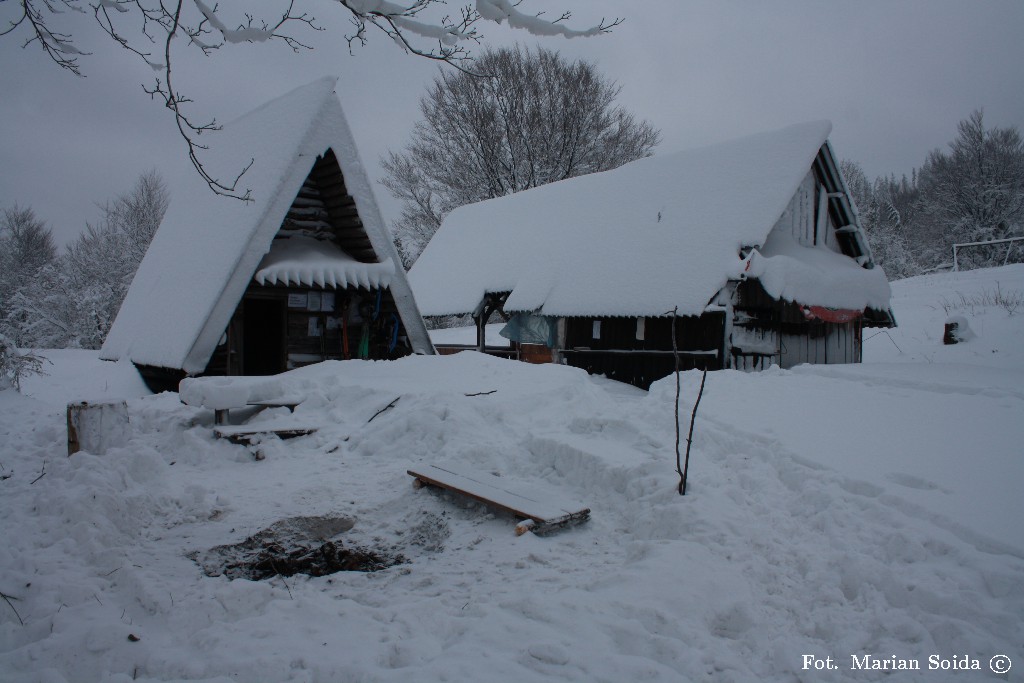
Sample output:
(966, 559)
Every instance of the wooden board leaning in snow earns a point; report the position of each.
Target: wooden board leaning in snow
(542, 513)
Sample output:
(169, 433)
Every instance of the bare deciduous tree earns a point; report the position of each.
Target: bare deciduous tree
(156, 30)
(976, 189)
(26, 246)
(888, 209)
(26, 250)
(535, 118)
(72, 301)
(114, 247)
(27, 242)
(890, 233)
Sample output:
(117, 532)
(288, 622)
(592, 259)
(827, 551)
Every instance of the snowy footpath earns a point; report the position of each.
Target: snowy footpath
(838, 520)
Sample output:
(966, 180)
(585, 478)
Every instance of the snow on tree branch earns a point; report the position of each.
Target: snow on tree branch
(150, 30)
(500, 10)
(58, 46)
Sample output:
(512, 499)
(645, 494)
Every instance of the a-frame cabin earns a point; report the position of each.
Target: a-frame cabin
(304, 271)
(752, 246)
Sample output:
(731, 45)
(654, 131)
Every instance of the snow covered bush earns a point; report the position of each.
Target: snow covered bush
(58, 310)
(1011, 301)
(15, 365)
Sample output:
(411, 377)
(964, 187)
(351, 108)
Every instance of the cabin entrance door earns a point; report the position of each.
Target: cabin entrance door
(263, 345)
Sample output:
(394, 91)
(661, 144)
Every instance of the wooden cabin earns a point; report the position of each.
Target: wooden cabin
(750, 249)
(303, 272)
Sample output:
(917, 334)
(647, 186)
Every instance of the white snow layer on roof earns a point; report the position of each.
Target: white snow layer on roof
(639, 240)
(208, 247)
(302, 260)
(816, 276)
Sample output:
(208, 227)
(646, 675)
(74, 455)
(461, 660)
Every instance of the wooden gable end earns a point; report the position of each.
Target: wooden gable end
(325, 191)
(281, 325)
(821, 213)
(842, 218)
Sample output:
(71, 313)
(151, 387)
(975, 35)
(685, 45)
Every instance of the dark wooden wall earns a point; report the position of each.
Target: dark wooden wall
(301, 348)
(619, 354)
(822, 342)
(323, 209)
(760, 321)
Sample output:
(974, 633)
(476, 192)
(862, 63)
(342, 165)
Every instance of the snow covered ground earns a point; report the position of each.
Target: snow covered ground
(831, 512)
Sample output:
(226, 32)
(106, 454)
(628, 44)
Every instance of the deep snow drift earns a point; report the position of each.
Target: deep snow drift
(832, 511)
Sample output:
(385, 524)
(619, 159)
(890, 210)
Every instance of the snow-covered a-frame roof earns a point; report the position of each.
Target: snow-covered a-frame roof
(209, 247)
(659, 233)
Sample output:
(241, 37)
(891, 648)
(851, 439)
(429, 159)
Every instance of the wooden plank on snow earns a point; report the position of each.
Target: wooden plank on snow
(543, 513)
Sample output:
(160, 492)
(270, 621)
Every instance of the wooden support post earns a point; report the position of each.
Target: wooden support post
(481, 341)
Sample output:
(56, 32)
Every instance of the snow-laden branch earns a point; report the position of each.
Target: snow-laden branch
(58, 46)
(148, 29)
(502, 10)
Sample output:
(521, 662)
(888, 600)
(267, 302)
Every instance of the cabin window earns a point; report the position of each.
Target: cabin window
(641, 325)
(597, 330)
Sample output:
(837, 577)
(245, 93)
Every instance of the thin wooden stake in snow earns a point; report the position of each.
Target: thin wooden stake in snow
(675, 355)
(689, 439)
(683, 467)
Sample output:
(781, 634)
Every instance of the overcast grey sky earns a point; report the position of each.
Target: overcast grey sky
(893, 76)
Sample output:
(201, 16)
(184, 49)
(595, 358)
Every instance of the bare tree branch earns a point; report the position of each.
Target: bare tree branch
(148, 29)
(58, 46)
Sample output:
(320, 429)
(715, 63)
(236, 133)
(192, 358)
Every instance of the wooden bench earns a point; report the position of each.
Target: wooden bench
(249, 434)
(540, 513)
(220, 416)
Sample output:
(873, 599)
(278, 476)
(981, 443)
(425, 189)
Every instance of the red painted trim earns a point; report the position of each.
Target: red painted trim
(831, 315)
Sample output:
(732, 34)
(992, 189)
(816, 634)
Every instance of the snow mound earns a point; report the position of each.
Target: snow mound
(990, 299)
(831, 510)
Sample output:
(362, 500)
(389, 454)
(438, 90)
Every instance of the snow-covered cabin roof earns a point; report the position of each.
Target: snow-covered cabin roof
(639, 240)
(208, 247)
